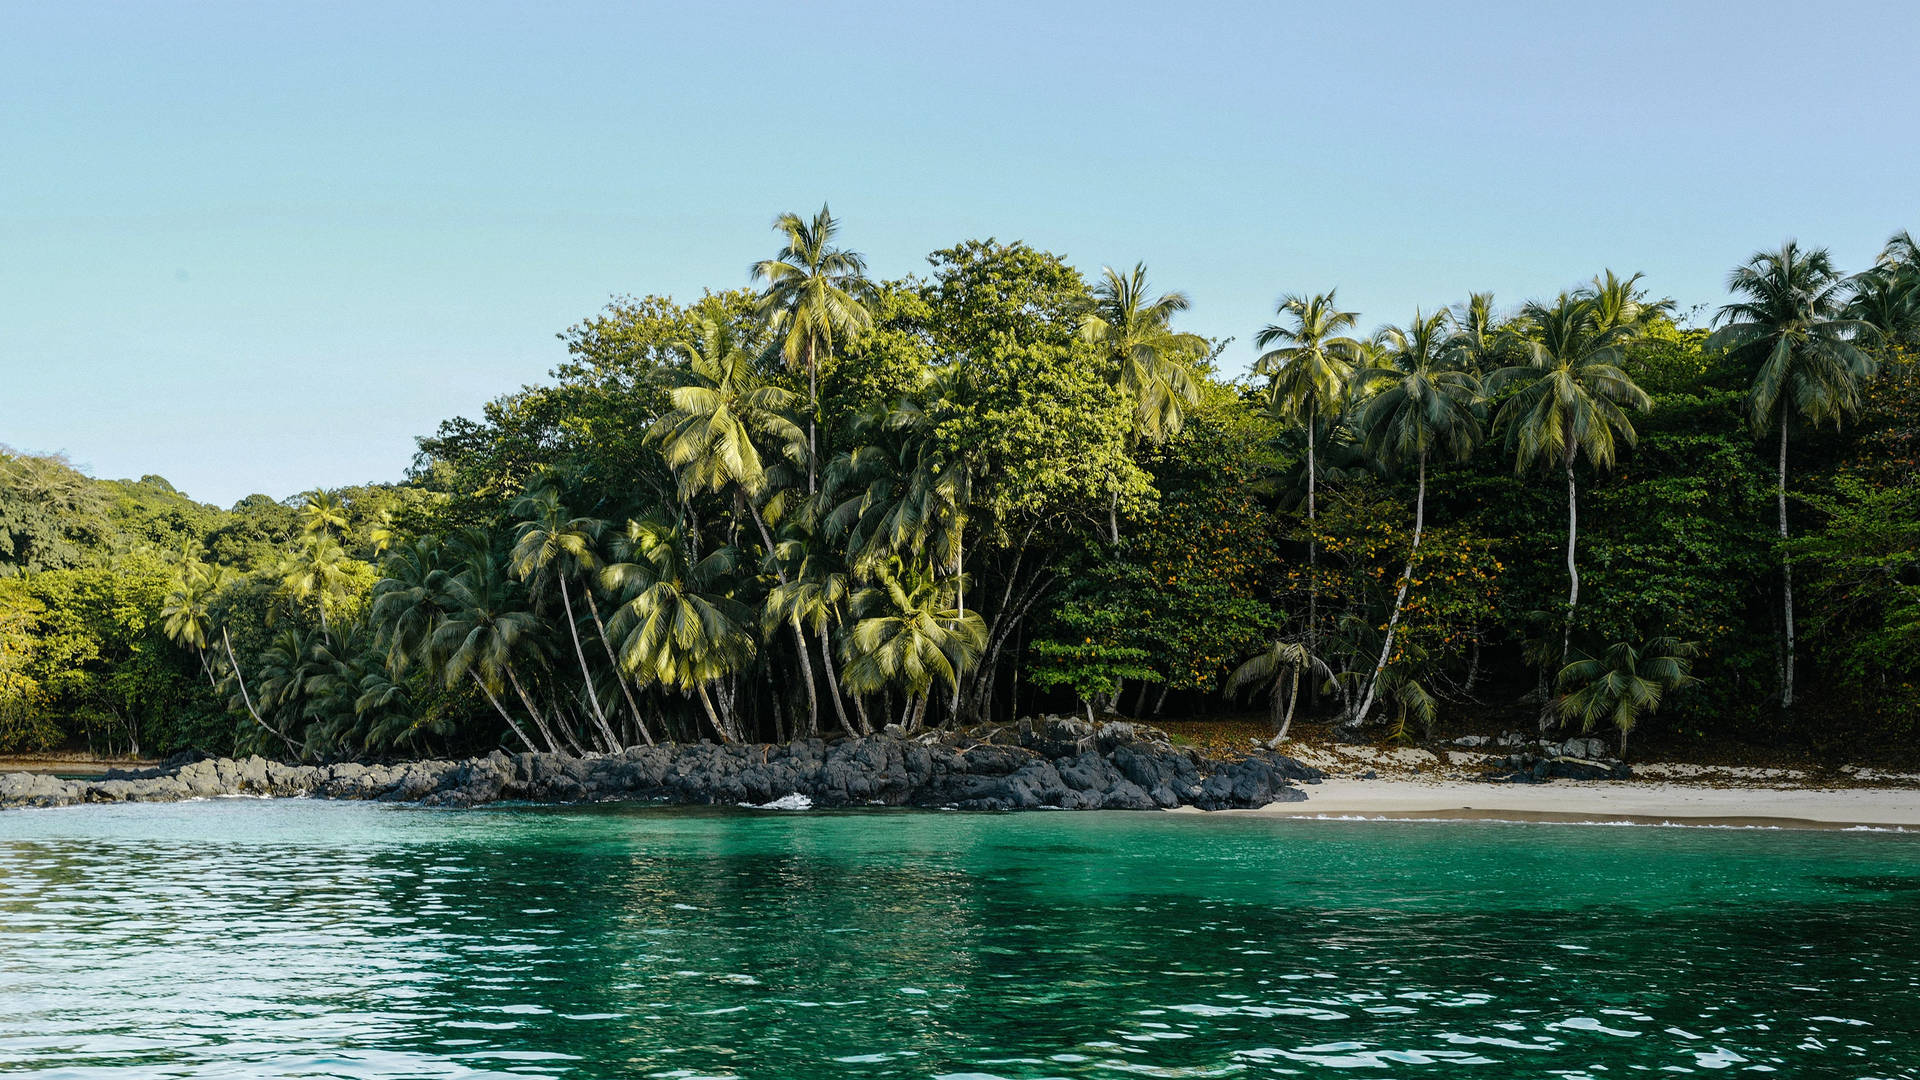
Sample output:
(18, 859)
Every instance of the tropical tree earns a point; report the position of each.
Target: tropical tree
(551, 545)
(483, 628)
(318, 570)
(679, 626)
(323, 514)
(1152, 362)
(186, 618)
(1283, 664)
(1572, 400)
(816, 596)
(1620, 303)
(710, 440)
(911, 634)
(815, 295)
(1624, 683)
(1310, 367)
(1792, 320)
(1422, 406)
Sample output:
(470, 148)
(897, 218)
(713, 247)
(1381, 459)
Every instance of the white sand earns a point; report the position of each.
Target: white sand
(1603, 800)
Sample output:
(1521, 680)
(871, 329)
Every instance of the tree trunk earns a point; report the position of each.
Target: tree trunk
(501, 709)
(1313, 553)
(712, 716)
(593, 608)
(248, 698)
(580, 654)
(1113, 519)
(1160, 700)
(1573, 568)
(919, 710)
(1406, 580)
(799, 638)
(813, 415)
(833, 679)
(1293, 698)
(539, 721)
(1786, 571)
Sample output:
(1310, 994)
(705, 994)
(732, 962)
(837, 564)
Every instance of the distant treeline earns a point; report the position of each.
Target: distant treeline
(832, 503)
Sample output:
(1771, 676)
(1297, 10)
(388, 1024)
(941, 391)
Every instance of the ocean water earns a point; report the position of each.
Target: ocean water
(249, 938)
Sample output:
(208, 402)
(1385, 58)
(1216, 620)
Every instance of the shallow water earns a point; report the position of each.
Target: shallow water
(244, 938)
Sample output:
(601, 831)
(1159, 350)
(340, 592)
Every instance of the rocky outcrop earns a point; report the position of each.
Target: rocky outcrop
(1052, 762)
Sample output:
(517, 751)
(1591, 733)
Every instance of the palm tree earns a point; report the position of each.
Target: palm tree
(1572, 400)
(911, 635)
(679, 626)
(815, 294)
(1625, 683)
(552, 545)
(709, 440)
(409, 602)
(1310, 367)
(1478, 338)
(323, 512)
(1621, 303)
(483, 628)
(1283, 664)
(186, 616)
(816, 597)
(1151, 362)
(317, 570)
(1793, 320)
(1887, 298)
(1422, 406)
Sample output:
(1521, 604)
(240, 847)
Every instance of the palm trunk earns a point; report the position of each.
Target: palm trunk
(960, 598)
(248, 698)
(1313, 552)
(799, 638)
(806, 676)
(813, 415)
(920, 710)
(833, 678)
(1293, 698)
(580, 654)
(712, 716)
(1406, 580)
(1573, 568)
(539, 721)
(501, 709)
(593, 608)
(1786, 572)
(1113, 519)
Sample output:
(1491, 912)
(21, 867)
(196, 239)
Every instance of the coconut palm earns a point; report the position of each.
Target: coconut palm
(815, 596)
(1478, 338)
(1572, 400)
(1152, 363)
(186, 617)
(317, 571)
(1283, 664)
(408, 602)
(1421, 406)
(551, 545)
(679, 626)
(911, 634)
(485, 625)
(1620, 303)
(323, 513)
(1625, 683)
(710, 440)
(816, 295)
(1310, 366)
(1792, 320)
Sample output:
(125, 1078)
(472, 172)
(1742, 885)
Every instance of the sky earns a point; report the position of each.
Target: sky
(262, 247)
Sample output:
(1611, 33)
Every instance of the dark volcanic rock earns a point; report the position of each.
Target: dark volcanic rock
(1050, 762)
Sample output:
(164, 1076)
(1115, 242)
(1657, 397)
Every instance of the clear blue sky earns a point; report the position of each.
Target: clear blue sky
(259, 247)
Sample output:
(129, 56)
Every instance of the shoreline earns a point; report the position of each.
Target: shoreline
(1600, 802)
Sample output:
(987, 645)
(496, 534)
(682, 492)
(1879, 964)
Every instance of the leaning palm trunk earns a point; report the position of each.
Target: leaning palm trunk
(713, 717)
(1400, 600)
(539, 721)
(799, 638)
(1786, 575)
(1313, 551)
(593, 608)
(248, 698)
(1293, 698)
(833, 684)
(580, 654)
(501, 709)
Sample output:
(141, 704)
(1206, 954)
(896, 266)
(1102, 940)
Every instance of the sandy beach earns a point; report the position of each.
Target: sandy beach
(1601, 801)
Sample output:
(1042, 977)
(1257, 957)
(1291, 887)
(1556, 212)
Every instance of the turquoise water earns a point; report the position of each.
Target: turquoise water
(243, 938)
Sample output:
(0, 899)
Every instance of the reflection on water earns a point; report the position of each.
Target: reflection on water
(247, 938)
